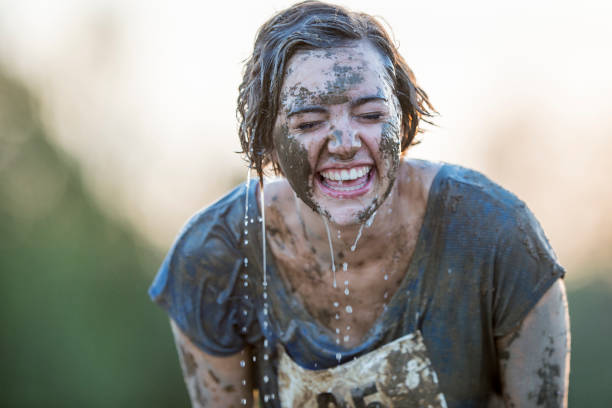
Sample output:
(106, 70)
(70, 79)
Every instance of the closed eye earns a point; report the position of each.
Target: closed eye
(308, 125)
(373, 116)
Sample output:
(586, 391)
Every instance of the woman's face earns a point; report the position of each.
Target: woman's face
(337, 133)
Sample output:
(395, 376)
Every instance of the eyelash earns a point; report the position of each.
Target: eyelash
(306, 126)
(371, 116)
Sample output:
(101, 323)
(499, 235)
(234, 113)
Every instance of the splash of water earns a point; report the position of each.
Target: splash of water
(368, 224)
(354, 246)
(331, 250)
(263, 231)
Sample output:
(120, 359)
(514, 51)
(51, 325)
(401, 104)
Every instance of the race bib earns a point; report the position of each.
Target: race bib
(399, 374)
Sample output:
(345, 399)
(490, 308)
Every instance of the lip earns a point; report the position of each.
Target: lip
(346, 194)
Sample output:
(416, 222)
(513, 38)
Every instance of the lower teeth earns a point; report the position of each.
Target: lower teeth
(346, 188)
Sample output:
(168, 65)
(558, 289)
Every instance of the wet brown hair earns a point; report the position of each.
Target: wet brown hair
(312, 25)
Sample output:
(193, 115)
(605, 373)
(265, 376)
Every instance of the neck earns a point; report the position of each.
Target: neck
(354, 242)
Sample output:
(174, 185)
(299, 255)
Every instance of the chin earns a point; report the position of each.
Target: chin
(346, 214)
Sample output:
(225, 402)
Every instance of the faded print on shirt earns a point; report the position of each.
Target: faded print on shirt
(399, 374)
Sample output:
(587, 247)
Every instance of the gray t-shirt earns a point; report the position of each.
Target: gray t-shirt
(480, 264)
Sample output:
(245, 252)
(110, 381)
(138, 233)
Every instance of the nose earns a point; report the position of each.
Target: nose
(343, 141)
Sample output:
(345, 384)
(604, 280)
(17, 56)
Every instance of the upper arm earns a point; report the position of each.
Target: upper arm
(214, 381)
(534, 359)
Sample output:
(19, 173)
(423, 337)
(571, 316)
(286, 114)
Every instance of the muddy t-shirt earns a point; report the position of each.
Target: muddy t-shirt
(480, 264)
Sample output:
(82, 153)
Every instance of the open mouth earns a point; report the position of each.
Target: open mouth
(346, 183)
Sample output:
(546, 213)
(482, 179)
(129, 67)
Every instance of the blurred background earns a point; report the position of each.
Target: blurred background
(117, 122)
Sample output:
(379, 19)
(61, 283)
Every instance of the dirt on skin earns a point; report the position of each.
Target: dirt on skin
(293, 160)
(548, 395)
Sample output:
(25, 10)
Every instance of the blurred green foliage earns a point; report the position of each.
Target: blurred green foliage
(78, 329)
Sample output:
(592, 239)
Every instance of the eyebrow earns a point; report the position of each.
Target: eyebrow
(319, 109)
(366, 99)
(306, 109)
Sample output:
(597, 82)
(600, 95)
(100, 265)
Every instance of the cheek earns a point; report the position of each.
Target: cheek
(390, 144)
(293, 160)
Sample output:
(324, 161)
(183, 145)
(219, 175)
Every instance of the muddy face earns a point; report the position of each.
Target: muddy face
(293, 160)
(337, 133)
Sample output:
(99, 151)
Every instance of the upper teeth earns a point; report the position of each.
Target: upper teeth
(346, 174)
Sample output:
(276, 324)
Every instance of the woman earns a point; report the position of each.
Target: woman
(360, 277)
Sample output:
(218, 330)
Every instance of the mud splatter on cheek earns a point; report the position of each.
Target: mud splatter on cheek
(390, 153)
(293, 160)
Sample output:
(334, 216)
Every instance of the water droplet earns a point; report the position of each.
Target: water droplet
(337, 316)
(346, 338)
(246, 232)
(244, 329)
(339, 235)
(349, 309)
(254, 358)
(337, 330)
(246, 242)
(265, 325)
(266, 357)
(348, 328)
(246, 297)
(336, 304)
(450, 271)
(354, 246)
(344, 266)
(259, 219)
(338, 341)
(266, 378)
(243, 401)
(316, 365)
(245, 276)
(246, 261)
(246, 284)
(386, 277)
(272, 396)
(346, 291)
(345, 283)
(244, 383)
(265, 295)
(242, 363)
(331, 249)
(370, 220)
(386, 295)
(266, 343)
(265, 312)
(266, 398)
(252, 221)
(338, 356)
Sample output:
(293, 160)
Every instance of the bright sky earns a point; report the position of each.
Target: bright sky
(143, 93)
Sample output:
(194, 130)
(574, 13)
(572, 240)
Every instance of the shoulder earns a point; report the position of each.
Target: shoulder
(470, 190)
(207, 247)
(217, 224)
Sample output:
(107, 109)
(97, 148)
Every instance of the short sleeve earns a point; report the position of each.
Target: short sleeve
(197, 284)
(525, 268)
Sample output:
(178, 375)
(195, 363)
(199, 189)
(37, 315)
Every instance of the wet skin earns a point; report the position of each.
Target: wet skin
(338, 111)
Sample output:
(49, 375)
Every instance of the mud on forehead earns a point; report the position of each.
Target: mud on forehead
(343, 68)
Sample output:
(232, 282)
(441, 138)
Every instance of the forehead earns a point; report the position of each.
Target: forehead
(335, 71)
